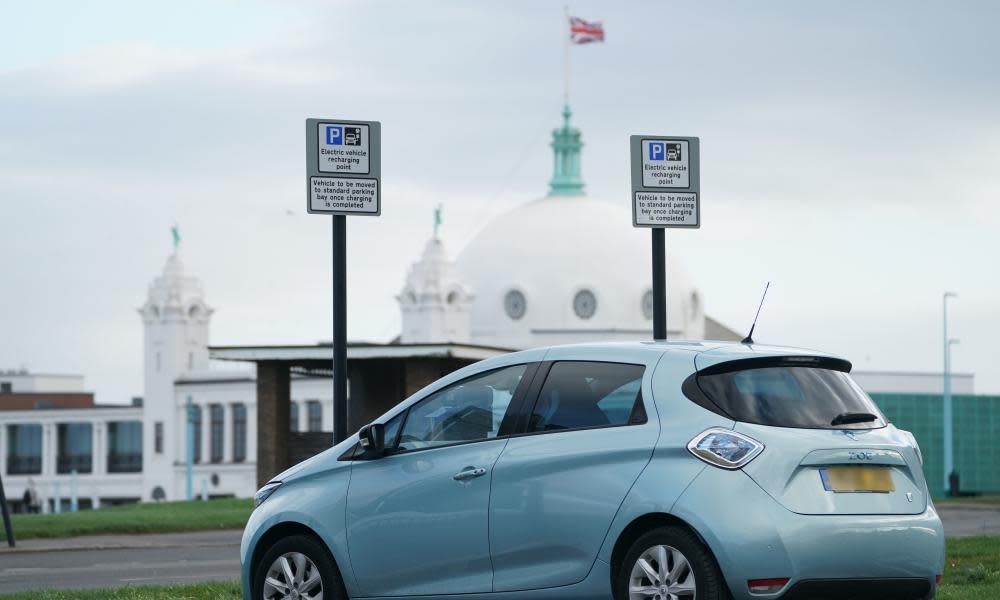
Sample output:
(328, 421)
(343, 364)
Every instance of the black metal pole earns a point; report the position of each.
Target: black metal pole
(659, 285)
(6, 516)
(339, 328)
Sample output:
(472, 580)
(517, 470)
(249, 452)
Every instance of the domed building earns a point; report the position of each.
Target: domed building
(564, 268)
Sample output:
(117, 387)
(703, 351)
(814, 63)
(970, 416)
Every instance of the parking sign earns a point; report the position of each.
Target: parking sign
(665, 181)
(343, 167)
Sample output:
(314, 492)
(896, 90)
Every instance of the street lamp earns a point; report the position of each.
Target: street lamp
(948, 460)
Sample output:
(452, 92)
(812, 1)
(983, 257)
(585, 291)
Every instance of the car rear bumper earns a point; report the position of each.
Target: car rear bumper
(754, 537)
(860, 589)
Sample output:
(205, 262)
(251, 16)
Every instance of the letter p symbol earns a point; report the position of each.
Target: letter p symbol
(334, 136)
(657, 150)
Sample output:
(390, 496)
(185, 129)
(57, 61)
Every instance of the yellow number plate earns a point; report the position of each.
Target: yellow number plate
(858, 479)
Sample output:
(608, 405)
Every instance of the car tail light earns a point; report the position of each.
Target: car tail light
(725, 448)
(937, 580)
(913, 443)
(766, 586)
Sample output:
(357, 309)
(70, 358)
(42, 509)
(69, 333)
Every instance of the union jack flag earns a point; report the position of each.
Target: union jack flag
(585, 32)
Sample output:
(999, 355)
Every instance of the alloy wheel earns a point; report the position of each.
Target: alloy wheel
(292, 576)
(661, 573)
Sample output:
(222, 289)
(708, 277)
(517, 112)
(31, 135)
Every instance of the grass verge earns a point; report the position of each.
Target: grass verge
(201, 591)
(990, 500)
(136, 518)
(971, 569)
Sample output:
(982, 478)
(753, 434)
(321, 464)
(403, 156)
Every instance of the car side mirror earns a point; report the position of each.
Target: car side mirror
(371, 437)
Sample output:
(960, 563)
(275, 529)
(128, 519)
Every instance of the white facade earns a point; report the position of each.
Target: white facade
(21, 381)
(558, 270)
(902, 382)
(435, 303)
(101, 485)
(175, 342)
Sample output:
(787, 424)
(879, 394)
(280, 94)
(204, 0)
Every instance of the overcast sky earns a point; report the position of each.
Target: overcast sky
(849, 155)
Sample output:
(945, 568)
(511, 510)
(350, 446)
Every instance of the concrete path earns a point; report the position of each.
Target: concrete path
(120, 560)
(965, 520)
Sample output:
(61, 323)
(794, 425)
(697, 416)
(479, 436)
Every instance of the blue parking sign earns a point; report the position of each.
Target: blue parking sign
(334, 135)
(657, 150)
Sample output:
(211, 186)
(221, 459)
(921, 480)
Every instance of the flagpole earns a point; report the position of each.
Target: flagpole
(566, 60)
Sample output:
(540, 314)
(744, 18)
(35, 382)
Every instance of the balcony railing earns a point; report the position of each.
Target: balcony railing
(81, 463)
(24, 465)
(125, 463)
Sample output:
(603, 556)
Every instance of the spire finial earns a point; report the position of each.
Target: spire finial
(175, 231)
(437, 220)
(566, 145)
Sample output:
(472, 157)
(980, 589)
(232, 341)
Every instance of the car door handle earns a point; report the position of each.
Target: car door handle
(469, 473)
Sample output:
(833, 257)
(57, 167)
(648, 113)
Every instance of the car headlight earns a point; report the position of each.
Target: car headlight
(724, 448)
(265, 492)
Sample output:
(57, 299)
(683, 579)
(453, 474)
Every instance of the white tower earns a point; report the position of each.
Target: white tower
(176, 320)
(434, 303)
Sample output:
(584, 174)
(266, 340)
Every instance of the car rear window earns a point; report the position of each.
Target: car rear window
(787, 396)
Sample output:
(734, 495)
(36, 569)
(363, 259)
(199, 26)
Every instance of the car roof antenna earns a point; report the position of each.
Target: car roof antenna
(749, 338)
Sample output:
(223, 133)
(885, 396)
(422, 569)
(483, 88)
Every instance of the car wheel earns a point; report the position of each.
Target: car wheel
(298, 567)
(669, 563)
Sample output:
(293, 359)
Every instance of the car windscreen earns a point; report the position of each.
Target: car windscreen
(791, 396)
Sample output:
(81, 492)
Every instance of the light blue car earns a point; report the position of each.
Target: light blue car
(635, 471)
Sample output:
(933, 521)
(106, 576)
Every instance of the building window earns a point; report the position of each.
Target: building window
(217, 415)
(585, 304)
(315, 415)
(515, 304)
(647, 305)
(239, 432)
(158, 437)
(293, 417)
(24, 449)
(76, 444)
(6, 387)
(195, 418)
(125, 447)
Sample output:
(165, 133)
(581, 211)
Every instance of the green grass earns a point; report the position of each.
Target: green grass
(201, 591)
(972, 569)
(136, 518)
(992, 500)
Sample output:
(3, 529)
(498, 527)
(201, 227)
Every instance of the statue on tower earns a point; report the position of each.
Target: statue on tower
(175, 231)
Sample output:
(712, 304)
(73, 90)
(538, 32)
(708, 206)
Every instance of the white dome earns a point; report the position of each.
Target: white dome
(552, 249)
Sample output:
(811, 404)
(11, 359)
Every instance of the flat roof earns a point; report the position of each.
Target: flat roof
(355, 351)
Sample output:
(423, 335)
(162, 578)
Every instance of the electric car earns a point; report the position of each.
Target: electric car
(633, 471)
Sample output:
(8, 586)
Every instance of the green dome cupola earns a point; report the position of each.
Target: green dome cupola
(566, 144)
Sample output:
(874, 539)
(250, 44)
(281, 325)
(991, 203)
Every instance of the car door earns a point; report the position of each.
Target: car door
(418, 518)
(588, 430)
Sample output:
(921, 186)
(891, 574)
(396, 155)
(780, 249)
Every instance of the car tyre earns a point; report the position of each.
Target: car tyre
(295, 563)
(700, 578)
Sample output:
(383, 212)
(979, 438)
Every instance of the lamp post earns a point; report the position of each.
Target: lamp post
(948, 459)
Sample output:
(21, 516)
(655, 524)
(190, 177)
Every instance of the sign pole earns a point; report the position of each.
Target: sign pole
(339, 328)
(6, 516)
(343, 177)
(659, 285)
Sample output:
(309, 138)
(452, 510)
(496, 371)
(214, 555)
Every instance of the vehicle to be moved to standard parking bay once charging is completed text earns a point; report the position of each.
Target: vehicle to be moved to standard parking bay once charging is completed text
(659, 470)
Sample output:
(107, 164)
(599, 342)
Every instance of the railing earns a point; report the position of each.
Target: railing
(24, 465)
(81, 463)
(125, 463)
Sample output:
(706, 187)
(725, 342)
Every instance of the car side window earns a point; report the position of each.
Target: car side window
(579, 394)
(470, 410)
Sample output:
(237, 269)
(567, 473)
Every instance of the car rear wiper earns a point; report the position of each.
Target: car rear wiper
(847, 418)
